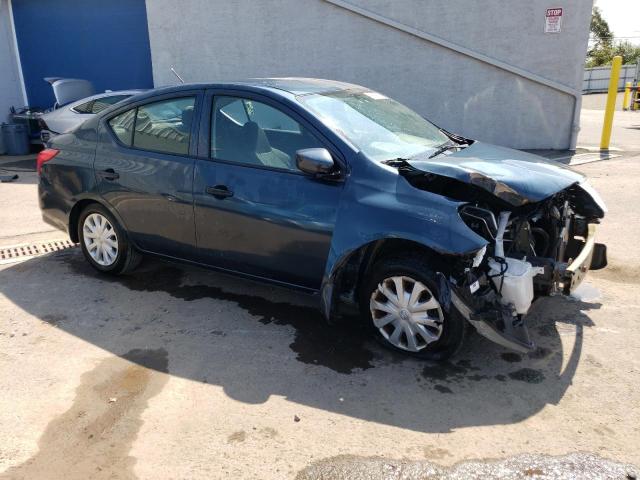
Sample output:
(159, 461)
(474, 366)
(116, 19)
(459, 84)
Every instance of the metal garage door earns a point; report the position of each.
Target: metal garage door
(106, 42)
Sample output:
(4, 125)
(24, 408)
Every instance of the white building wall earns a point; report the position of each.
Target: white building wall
(220, 40)
(11, 93)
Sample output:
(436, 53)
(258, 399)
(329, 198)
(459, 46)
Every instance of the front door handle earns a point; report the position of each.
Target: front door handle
(219, 191)
(108, 174)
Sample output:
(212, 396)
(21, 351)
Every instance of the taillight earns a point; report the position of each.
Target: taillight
(44, 156)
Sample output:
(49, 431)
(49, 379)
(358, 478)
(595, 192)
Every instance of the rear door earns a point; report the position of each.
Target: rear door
(256, 213)
(144, 167)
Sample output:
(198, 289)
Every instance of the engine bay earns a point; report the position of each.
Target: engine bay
(548, 235)
(534, 249)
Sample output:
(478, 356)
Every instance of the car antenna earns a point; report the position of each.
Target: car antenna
(176, 74)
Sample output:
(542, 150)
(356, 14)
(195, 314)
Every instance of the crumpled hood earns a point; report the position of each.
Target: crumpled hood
(513, 176)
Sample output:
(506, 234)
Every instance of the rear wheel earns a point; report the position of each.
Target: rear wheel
(104, 243)
(400, 302)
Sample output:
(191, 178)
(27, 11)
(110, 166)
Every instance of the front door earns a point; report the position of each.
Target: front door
(145, 171)
(256, 213)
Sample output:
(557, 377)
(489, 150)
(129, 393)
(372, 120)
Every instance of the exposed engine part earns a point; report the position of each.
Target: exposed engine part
(479, 257)
(549, 273)
(535, 246)
(502, 226)
(541, 241)
(480, 220)
(493, 320)
(513, 278)
(563, 237)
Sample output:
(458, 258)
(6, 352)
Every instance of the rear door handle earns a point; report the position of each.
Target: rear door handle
(219, 191)
(108, 174)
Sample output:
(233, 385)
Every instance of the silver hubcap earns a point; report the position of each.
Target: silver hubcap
(100, 239)
(406, 313)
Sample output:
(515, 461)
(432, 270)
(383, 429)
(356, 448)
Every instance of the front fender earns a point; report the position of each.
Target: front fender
(380, 204)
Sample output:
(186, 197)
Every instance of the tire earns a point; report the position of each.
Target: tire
(118, 255)
(438, 334)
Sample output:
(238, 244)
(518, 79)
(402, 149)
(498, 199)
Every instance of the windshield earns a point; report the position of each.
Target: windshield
(380, 127)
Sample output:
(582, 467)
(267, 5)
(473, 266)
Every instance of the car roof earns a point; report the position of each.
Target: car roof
(292, 85)
(300, 85)
(112, 93)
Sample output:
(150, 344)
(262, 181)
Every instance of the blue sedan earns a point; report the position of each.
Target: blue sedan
(332, 189)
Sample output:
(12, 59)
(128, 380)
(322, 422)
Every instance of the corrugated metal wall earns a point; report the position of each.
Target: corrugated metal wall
(597, 79)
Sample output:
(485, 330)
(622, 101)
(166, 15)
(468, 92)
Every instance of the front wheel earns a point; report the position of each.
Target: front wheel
(400, 301)
(104, 243)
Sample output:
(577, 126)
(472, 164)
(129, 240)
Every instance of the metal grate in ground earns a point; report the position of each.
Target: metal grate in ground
(21, 252)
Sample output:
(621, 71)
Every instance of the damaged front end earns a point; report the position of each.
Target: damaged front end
(535, 247)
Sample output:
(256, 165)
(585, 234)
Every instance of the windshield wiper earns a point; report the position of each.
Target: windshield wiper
(443, 148)
(395, 162)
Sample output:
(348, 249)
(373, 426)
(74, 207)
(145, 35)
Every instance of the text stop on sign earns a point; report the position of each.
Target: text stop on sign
(553, 20)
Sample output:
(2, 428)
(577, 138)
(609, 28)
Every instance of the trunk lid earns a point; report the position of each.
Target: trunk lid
(67, 90)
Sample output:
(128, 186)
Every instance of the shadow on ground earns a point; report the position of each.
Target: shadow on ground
(256, 341)
(23, 168)
(18, 164)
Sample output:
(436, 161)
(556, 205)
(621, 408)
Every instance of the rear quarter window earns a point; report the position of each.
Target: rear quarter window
(122, 126)
(83, 108)
(100, 104)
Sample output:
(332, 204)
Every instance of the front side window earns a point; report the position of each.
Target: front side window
(253, 133)
(379, 126)
(165, 126)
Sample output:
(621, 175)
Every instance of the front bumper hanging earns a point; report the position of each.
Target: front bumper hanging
(593, 256)
(495, 322)
(498, 322)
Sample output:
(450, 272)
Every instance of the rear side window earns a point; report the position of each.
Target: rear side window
(122, 126)
(165, 126)
(84, 108)
(100, 104)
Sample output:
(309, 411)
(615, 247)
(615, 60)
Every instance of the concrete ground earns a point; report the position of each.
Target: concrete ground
(175, 372)
(626, 132)
(19, 213)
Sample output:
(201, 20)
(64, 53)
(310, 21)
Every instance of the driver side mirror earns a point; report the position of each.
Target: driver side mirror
(315, 161)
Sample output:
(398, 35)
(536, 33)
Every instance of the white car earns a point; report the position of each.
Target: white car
(69, 115)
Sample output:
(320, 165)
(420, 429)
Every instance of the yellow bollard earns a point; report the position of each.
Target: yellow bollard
(611, 103)
(625, 99)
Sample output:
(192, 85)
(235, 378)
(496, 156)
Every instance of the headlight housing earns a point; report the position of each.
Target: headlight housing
(480, 220)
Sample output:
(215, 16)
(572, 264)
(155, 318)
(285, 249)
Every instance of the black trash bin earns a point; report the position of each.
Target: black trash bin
(15, 138)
